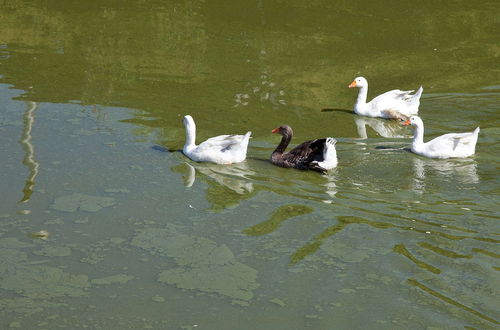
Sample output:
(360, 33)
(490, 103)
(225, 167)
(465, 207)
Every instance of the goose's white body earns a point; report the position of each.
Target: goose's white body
(222, 149)
(451, 145)
(392, 104)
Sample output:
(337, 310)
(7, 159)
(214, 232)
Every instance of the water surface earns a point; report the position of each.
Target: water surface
(91, 103)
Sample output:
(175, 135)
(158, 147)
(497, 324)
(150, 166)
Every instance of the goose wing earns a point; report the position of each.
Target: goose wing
(451, 141)
(464, 138)
(305, 152)
(221, 142)
(395, 94)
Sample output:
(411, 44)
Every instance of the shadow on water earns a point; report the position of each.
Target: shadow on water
(337, 110)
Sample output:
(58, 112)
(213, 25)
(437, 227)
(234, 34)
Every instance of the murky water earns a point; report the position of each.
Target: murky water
(137, 236)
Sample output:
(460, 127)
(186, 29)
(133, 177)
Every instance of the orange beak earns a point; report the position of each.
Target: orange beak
(353, 84)
(407, 122)
(276, 130)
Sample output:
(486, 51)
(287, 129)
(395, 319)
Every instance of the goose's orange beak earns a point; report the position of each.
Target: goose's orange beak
(276, 130)
(353, 84)
(407, 122)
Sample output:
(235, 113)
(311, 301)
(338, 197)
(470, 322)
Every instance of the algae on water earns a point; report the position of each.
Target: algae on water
(54, 251)
(34, 281)
(43, 282)
(82, 202)
(113, 279)
(13, 243)
(203, 265)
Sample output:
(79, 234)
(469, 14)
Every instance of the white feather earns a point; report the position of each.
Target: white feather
(392, 104)
(451, 145)
(222, 149)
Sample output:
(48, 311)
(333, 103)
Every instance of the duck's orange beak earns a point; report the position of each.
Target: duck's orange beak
(353, 84)
(276, 130)
(407, 122)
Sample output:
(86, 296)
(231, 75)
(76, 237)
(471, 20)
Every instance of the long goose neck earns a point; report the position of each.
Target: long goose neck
(362, 95)
(190, 137)
(418, 134)
(361, 100)
(285, 140)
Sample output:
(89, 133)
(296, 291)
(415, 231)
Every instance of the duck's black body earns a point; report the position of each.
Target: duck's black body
(305, 156)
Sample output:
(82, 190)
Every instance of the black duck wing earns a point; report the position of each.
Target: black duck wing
(305, 153)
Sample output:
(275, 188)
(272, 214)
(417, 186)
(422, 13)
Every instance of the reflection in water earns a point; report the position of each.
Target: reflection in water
(232, 177)
(443, 252)
(385, 128)
(190, 177)
(461, 170)
(343, 221)
(330, 185)
(261, 91)
(274, 222)
(449, 300)
(401, 249)
(227, 186)
(159, 57)
(264, 90)
(29, 151)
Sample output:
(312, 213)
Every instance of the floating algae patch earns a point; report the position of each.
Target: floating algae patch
(203, 265)
(43, 282)
(82, 202)
(345, 252)
(36, 281)
(9, 258)
(13, 243)
(54, 251)
(26, 306)
(337, 248)
(113, 279)
(234, 280)
(116, 190)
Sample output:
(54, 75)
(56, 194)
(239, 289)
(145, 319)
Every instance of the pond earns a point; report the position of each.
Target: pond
(104, 224)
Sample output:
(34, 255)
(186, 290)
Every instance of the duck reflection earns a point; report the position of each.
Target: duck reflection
(385, 128)
(330, 186)
(227, 185)
(460, 170)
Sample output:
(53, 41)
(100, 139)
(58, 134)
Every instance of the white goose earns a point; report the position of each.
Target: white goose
(449, 145)
(395, 104)
(222, 149)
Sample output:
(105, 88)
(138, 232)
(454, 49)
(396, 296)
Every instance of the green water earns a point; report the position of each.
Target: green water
(143, 238)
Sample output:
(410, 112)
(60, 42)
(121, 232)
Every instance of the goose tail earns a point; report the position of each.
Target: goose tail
(419, 92)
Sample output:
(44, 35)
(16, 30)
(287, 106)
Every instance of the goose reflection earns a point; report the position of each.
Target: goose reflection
(385, 128)
(227, 185)
(460, 170)
(233, 177)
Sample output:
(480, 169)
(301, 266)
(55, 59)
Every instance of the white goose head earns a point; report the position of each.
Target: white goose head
(190, 127)
(189, 123)
(415, 121)
(359, 82)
